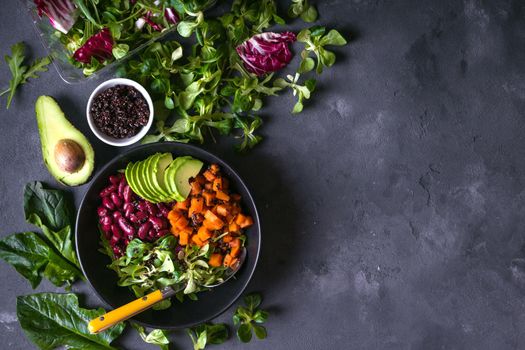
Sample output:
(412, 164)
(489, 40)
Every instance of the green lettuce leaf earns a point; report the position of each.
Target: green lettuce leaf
(52, 320)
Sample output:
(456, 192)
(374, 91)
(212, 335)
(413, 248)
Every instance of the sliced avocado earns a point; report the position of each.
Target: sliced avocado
(67, 153)
(132, 178)
(157, 175)
(169, 177)
(188, 169)
(141, 177)
(146, 176)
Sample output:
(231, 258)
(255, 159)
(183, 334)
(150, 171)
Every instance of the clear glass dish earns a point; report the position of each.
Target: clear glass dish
(69, 73)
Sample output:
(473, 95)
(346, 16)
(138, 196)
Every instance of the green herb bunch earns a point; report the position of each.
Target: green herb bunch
(205, 89)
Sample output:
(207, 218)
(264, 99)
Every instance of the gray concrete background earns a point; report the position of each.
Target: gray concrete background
(392, 208)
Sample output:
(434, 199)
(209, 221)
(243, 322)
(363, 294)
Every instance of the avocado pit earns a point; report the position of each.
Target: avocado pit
(69, 156)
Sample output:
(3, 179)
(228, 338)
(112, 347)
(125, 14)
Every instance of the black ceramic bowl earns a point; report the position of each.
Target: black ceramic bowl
(104, 281)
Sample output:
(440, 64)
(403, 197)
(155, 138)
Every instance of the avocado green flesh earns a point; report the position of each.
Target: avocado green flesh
(136, 186)
(169, 178)
(157, 174)
(188, 169)
(53, 126)
(146, 172)
(140, 173)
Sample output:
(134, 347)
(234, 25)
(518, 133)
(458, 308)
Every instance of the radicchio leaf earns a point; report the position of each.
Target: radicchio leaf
(98, 46)
(62, 14)
(148, 20)
(266, 52)
(171, 15)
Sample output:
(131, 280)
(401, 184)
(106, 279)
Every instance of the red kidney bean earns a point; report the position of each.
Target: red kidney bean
(143, 230)
(108, 203)
(101, 211)
(114, 179)
(126, 226)
(152, 209)
(128, 212)
(106, 228)
(141, 215)
(133, 218)
(105, 220)
(116, 215)
(107, 191)
(158, 223)
(128, 205)
(114, 240)
(151, 234)
(116, 230)
(121, 186)
(117, 251)
(127, 194)
(162, 233)
(116, 200)
(107, 235)
(142, 206)
(163, 209)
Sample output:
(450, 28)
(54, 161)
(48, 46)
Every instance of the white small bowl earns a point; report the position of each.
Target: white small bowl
(112, 140)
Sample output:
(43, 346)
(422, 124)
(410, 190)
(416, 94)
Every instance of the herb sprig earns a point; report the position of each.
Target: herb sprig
(249, 318)
(21, 73)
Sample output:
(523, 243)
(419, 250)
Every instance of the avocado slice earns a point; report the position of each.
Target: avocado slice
(188, 169)
(139, 172)
(146, 177)
(157, 174)
(132, 179)
(67, 153)
(169, 177)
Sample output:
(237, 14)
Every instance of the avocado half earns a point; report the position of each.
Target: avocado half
(67, 153)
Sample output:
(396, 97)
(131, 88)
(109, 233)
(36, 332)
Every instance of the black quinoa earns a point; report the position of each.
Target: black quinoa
(120, 111)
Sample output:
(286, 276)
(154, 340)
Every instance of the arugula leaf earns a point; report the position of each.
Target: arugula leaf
(208, 333)
(52, 320)
(315, 42)
(301, 8)
(19, 72)
(248, 318)
(34, 259)
(51, 211)
(157, 336)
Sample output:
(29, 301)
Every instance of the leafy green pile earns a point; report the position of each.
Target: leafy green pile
(208, 88)
(147, 267)
(121, 18)
(21, 73)
(52, 253)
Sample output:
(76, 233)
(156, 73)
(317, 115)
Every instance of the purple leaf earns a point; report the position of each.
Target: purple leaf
(171, 15)
(62, 14)
(266, 52)
(98, 46)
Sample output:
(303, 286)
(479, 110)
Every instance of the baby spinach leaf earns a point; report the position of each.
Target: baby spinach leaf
(34, 259)
(51, 211)
(52, 320)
